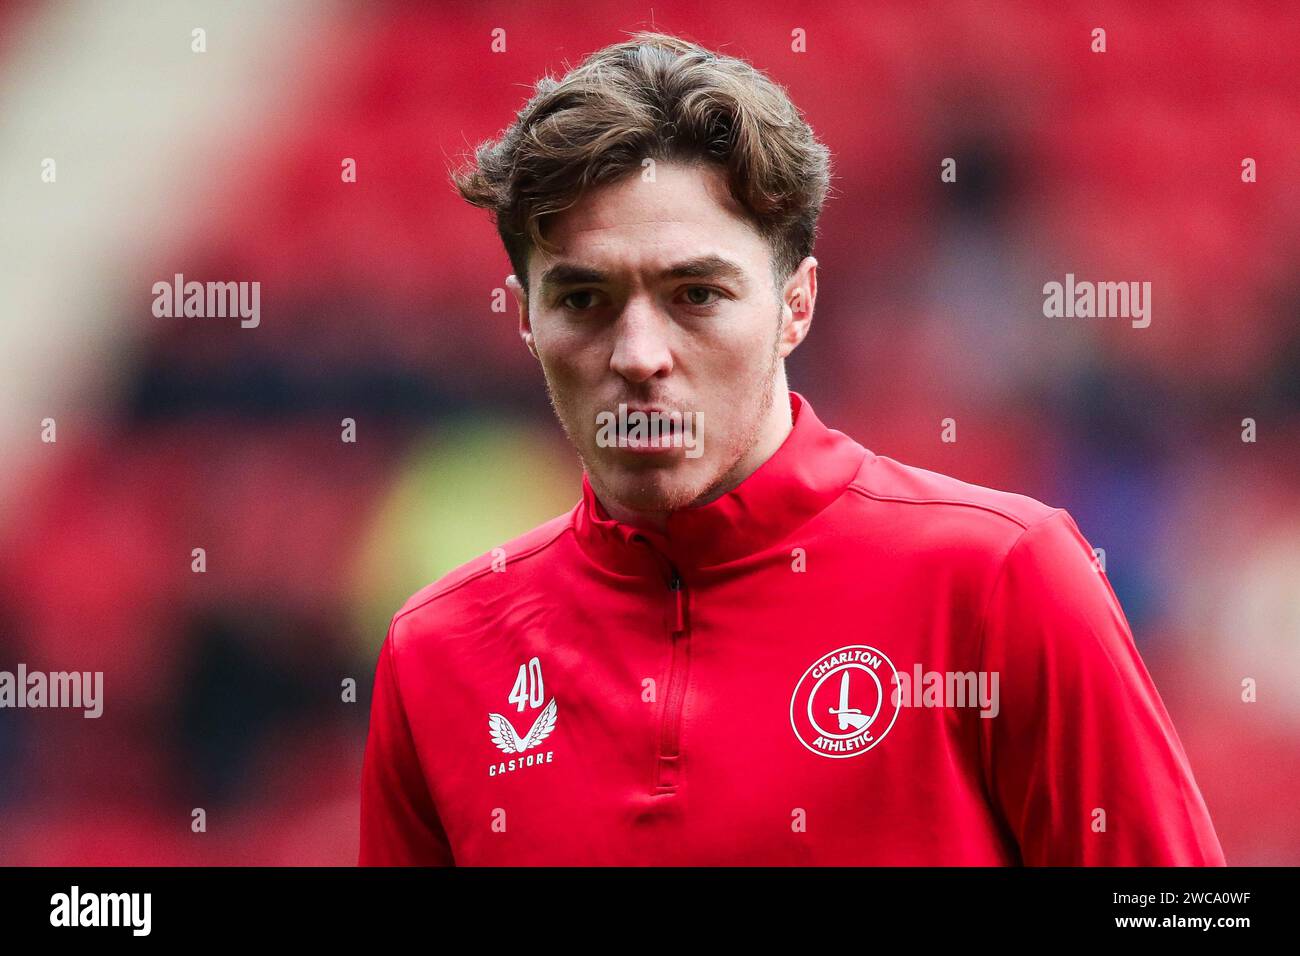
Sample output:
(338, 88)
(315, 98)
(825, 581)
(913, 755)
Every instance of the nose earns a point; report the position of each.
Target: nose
(641, 346)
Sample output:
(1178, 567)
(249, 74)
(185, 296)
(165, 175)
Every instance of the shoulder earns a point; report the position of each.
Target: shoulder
(1023, 560)
(917, 496)
(444, 602)
(928, 512)
(888, 481)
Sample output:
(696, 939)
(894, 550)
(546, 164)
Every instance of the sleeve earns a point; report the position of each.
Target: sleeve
(399, 822)
(1081, 759)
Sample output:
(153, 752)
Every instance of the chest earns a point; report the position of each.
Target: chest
(717, 725)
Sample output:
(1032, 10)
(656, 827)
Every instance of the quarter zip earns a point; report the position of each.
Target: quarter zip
(679, 604)
(667, 770)
(668, 765)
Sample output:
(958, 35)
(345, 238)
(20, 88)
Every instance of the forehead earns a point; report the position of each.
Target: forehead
(687, 211)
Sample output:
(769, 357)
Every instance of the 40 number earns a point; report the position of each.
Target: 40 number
(527, 691)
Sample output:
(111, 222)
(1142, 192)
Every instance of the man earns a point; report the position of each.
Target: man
(753, 641)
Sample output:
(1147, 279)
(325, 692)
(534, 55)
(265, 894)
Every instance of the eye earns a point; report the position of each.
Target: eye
(693, 295)
(590, 293)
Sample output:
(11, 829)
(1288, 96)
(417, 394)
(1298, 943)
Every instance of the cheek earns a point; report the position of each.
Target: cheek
(746, 353)
(564, 356)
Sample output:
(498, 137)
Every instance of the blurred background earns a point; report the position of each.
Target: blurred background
(223, 688)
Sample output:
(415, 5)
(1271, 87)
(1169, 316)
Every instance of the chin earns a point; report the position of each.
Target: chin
(658, 489)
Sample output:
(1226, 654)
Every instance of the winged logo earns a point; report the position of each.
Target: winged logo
(505, 737)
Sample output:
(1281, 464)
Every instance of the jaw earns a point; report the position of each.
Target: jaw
(648, 490)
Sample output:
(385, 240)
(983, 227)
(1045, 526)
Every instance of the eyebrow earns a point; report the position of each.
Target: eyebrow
(701, 267)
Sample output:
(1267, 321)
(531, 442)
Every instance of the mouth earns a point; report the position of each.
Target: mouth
(649, 444)
(648, 429)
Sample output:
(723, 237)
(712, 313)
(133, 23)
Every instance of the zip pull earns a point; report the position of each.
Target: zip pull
(679, 608)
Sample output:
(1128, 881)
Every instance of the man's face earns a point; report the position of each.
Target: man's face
(661, 297)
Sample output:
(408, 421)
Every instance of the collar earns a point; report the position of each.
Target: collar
(811, 469)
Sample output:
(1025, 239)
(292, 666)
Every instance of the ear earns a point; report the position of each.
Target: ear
(525, 323)
(797, 300)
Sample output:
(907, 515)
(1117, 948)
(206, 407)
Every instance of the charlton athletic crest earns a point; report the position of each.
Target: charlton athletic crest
(844, 704)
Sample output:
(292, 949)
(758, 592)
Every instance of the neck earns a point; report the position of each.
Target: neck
(777, 423)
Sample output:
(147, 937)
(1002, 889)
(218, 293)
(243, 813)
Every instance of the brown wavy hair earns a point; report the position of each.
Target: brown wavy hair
(660, 97)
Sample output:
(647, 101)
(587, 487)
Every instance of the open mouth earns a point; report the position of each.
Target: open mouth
(668, 434)
(647, 430)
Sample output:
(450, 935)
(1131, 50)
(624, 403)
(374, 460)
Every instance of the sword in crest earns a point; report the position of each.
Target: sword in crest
(849, 716)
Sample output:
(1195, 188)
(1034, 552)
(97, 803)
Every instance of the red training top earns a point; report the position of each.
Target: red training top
(843, 661)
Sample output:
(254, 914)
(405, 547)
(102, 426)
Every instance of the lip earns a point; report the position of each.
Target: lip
(649, 409)
(647, 447)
